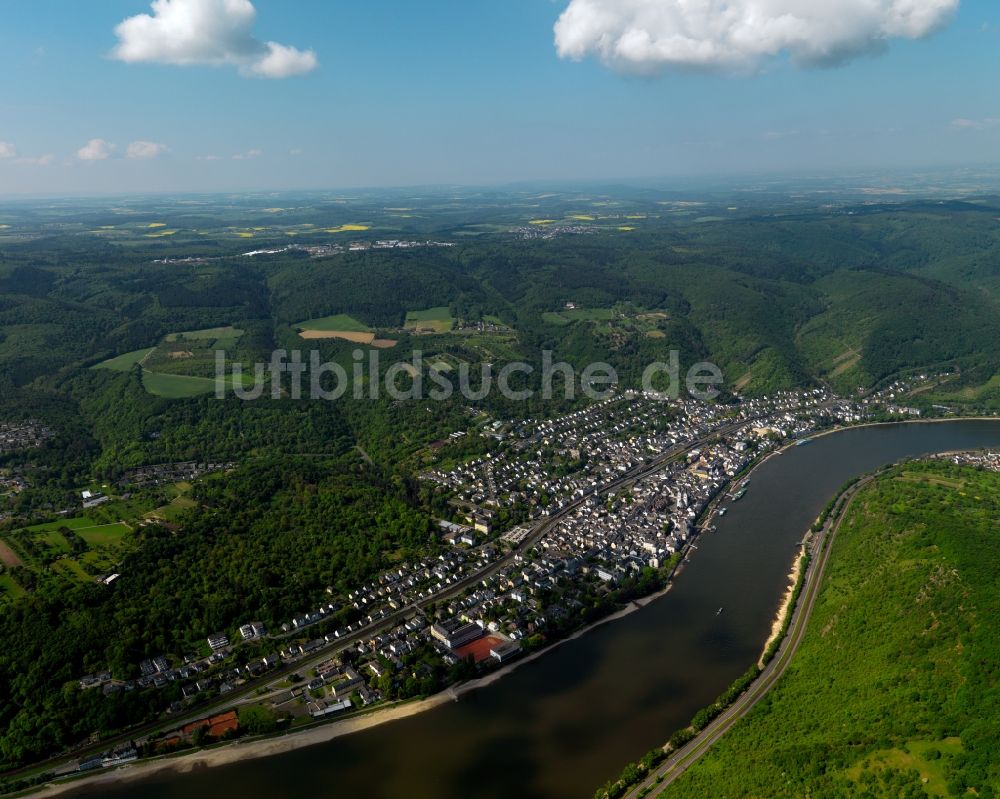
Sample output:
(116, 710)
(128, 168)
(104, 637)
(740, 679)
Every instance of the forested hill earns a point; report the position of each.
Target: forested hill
(894, 691)
(846, 294)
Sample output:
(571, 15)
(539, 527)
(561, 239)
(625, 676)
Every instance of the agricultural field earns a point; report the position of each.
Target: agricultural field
(183, 364)
(432, 320)
(214, 337)
(173, 386)
(126, 361)
(570, 315)
(82, 547)
(349, 228)
(337, 322)
(340, 326)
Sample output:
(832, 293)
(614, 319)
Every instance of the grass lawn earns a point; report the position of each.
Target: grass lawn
(104, 534)
(173, 509)
(438, 320)
(182, 386)
(337, 322)
(73, 524)
(125, 362)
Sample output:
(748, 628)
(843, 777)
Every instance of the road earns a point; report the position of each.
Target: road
(679, 762)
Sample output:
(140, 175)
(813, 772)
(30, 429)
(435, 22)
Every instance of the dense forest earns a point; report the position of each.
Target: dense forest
(263, 544)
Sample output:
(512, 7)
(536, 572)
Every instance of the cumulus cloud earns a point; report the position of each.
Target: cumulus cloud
(248, 155)
(95, 150)
(739, 36)
(145, 149)
(213, 32)
(7, 150)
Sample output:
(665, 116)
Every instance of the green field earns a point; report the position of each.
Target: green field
(184, 386)
(169, 369)
(75, 523)
(173, 509)
(125, 362)
(177, 386)
(437, 320)
(95, 533)
(894, 690)
(338, 322)
(103, 535)
(570, 315)
(208, 334)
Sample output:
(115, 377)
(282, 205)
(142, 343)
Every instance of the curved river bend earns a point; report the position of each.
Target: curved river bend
(566, 722)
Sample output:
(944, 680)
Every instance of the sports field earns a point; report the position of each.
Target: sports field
(479, 650)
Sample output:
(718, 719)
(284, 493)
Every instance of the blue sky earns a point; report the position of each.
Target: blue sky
(394, 92)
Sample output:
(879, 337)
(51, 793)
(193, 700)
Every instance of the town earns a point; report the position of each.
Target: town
(606, 502)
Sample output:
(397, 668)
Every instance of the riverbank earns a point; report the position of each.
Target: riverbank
(787, 603)
(241, 751)
(680, 758)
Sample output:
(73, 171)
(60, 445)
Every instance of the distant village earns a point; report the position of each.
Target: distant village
(16, 436)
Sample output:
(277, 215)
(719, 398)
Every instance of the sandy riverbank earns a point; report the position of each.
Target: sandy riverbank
(777, 626)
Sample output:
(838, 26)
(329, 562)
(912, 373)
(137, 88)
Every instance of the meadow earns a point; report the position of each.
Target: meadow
(434, 320)
(183, 364)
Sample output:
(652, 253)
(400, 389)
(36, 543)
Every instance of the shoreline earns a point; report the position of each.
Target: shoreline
(786, 606)
(240, 751)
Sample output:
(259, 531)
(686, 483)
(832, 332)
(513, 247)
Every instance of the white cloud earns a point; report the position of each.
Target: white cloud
(41, 160)
(213, 32)
(739, 36)
(206, 158)
(975, 124)
(247, 155)
(7, 150)
(145, 149)
(95, 150)
(282, 62)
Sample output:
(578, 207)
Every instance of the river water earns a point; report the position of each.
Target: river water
(563, 724)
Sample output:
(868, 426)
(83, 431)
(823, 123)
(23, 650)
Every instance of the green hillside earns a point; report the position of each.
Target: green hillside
(894, 691)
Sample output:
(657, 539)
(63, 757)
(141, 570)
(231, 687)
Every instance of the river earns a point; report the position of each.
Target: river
(566, 722)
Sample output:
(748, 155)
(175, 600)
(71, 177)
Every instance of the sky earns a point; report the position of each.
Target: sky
(224, 95)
